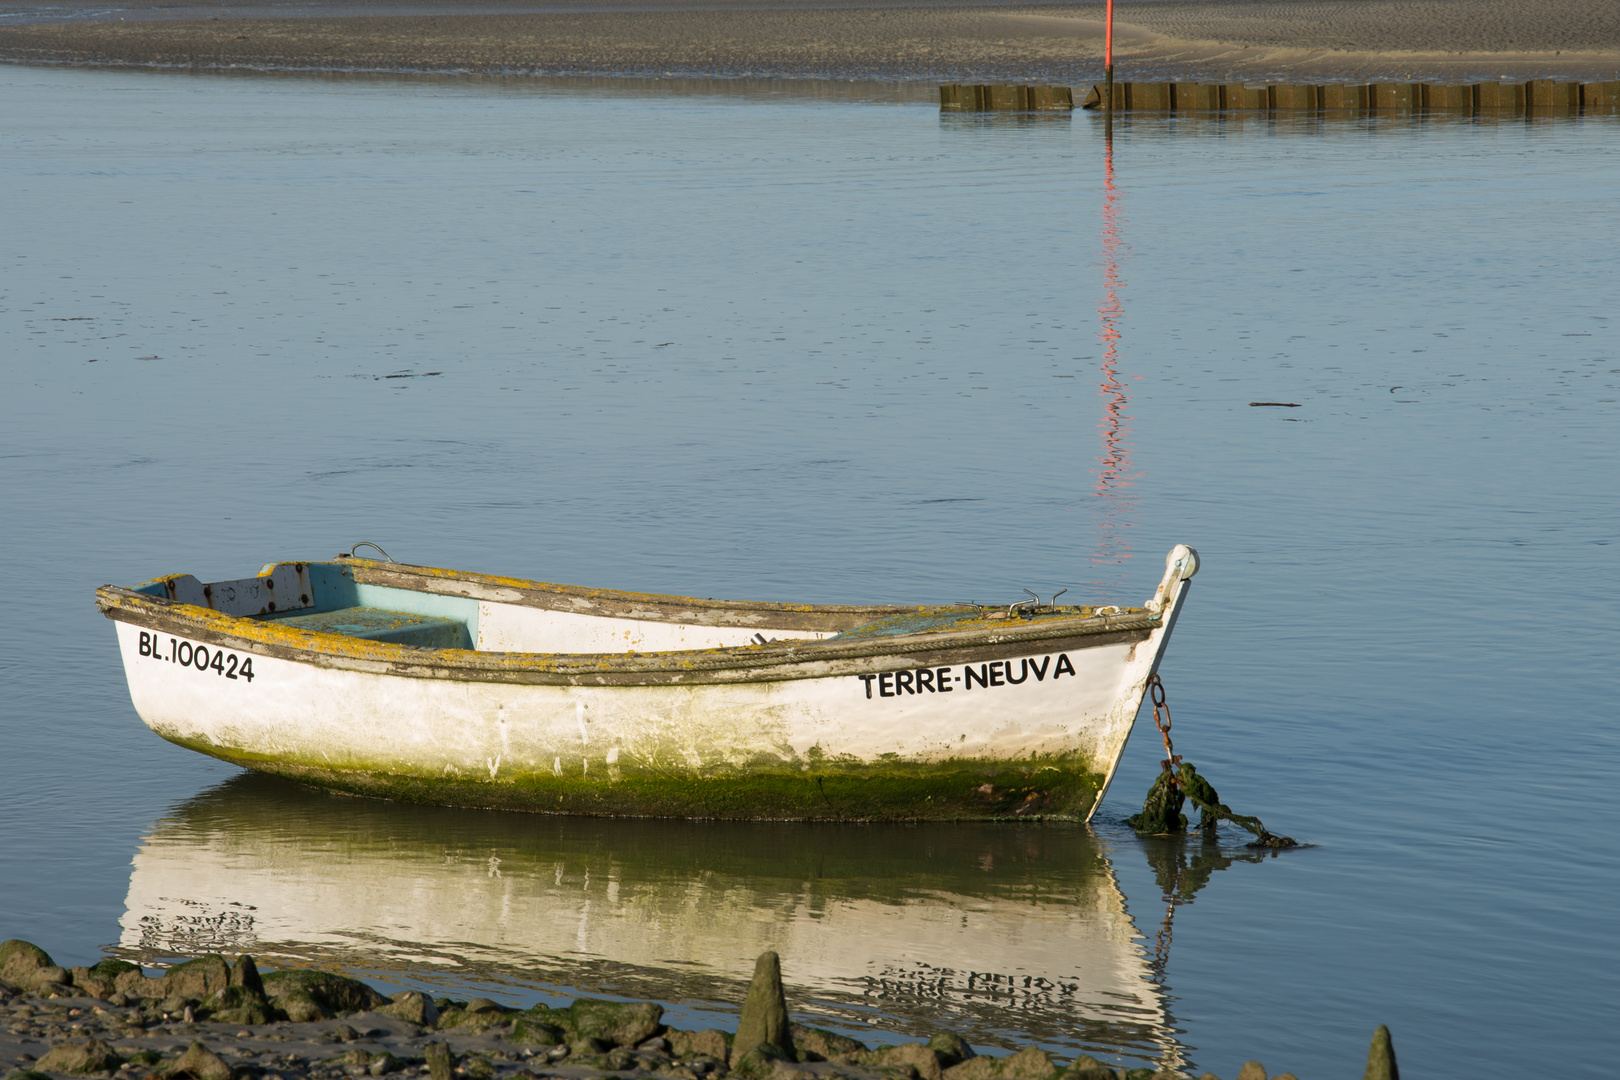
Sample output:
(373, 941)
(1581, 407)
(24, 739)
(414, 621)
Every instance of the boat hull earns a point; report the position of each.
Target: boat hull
(966, 730)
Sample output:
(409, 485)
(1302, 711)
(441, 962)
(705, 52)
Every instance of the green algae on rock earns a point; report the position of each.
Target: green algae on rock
(317, 995)
(78, 1058)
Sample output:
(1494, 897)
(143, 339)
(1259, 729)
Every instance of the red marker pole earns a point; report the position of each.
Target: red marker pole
(1108, 73)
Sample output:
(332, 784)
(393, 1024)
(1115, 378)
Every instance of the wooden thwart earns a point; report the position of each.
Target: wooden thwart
(1536, 97)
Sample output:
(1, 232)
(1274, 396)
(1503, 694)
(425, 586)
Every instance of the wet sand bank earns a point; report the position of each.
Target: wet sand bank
(1256, 40)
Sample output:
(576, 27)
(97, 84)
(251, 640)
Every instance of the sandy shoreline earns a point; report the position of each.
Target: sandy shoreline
(1251, 40)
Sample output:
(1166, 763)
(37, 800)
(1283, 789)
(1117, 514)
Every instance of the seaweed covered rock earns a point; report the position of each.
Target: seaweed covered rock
(412, 1007)
(239, 1005)
(51, 982)
(764, 1014)
(101, 979)
(245, 972)
(539, 1027)
(1381, 1057)
(1086, 1067)
(614, 1023)
(819, 1044)
(760, 1063)
(21, 961)
(906, 1057)
(1030, 1063)
(198, 1063)
(135, 984)
(951, 1048)
(194, 979)
(711, 1043)
(478, 1014)
(28, 967)
(317, 995)
(439, 1061)
(80, 1058)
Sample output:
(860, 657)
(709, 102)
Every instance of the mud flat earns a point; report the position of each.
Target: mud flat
(210, 1019)
(1266, 40)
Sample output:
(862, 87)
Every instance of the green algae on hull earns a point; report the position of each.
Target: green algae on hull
(1051, 787)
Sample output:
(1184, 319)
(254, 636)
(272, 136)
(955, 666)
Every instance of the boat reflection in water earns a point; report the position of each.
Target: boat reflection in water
(1007, 934)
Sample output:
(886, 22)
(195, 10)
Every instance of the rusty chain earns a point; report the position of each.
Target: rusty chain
(1172, 761)
(1183, 781)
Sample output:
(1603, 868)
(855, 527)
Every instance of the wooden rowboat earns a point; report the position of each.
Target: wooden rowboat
(440, 686)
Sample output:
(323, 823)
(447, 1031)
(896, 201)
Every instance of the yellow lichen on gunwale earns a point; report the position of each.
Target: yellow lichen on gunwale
(130, 606)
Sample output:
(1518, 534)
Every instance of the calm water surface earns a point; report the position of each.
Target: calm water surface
(730, 341)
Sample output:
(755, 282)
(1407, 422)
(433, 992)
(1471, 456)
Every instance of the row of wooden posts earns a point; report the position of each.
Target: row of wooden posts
(1536, 97)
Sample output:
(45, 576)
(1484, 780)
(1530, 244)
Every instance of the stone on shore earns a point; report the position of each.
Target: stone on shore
(29, 967)
(907, 1058)
(1086, 1067)
(239, 1005)
(76, 1058)
(710, 1043)
(538, 1028)
(1381, 1057)
(199, 1063)
(478, 1014)
(194, 979)
(21, 961)
(1252, 1070)
(412, 1007)
(760, 1062)
(615, 1023)
(951, 1048)
(764, 1015)
(317, 995)
(246, 973)
(101, 979)
(1030, 1063)
(439, 1061)
(818, 1044)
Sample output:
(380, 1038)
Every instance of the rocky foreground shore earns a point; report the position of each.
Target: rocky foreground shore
(208, 1019)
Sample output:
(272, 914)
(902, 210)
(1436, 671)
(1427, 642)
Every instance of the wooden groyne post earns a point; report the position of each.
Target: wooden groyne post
(964, 98)
(1537, 97)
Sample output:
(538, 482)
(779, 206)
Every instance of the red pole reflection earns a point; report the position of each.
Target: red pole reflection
(1113, 470)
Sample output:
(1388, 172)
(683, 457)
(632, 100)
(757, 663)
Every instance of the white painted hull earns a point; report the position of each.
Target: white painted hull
(394, 723)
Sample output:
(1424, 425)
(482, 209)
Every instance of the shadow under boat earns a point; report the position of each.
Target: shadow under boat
(1005, 934)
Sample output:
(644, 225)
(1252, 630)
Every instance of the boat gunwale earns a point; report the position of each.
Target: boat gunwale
(649, 607)
(769, 662)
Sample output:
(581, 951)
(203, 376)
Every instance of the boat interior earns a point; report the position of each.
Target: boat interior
(431, 608)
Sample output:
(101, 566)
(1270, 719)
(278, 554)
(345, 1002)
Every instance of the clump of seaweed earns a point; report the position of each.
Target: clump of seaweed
(1179, 782)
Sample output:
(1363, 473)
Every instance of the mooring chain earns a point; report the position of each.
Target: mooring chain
(1156, 692)
(1179, 781)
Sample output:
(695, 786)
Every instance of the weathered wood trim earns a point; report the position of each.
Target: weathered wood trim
(776, 661)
